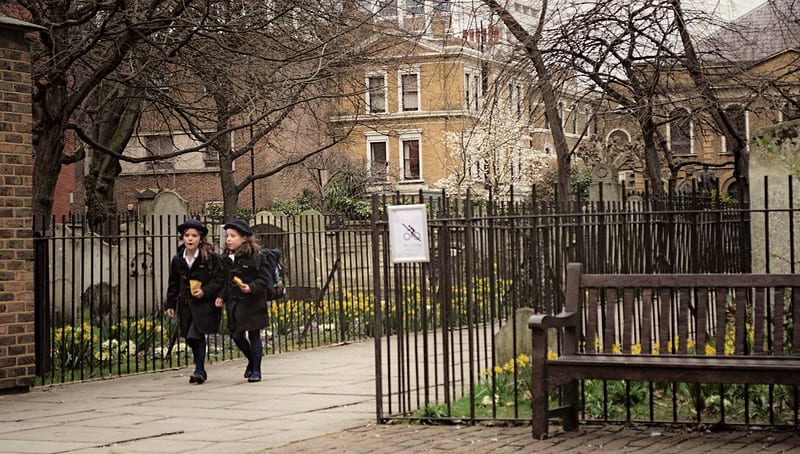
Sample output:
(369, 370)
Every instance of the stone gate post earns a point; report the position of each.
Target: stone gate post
(17, 345)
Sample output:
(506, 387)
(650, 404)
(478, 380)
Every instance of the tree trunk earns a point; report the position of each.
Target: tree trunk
(113, 128)
(547, 90)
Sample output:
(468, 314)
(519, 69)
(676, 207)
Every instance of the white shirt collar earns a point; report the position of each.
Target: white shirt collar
(190, 260)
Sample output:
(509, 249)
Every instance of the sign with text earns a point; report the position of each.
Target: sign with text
(408, 233)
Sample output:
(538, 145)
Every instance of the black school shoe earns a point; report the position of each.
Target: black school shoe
(248, 371)
(198, 376)
(254, 376)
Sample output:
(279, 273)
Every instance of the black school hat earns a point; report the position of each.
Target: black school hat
(193, 224)
(240, 226)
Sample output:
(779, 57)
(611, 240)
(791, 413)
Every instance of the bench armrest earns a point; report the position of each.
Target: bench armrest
(560, 320)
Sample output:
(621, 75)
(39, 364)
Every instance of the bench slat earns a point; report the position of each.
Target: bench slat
(759, 318)
(591, 322)
(628, 313)
(689, 280)
(722, 318)
(740, 325)
(796, 321)
(665, 301)
(701, 321)
(647, 320)
(680, 368)
(777, 345)
(684, 314)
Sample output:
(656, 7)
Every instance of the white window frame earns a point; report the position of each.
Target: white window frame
(386, 9)
(472, 89)
(404, 137)
(573, 120)
(587, 118)
(746, 131)
(373, 138)
(400, 86)
(691, 133)
(369, 92)
(413, 8)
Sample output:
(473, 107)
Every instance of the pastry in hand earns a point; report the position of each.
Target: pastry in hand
(194, 285)
(238, 281)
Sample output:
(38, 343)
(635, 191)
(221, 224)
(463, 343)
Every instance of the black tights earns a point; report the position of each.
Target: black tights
(250, 346)
(198, 351)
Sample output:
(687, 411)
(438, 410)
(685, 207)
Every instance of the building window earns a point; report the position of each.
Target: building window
(588, 123)
(737, 116)
(409, 86)
(618, 138)
(411, 159)
(561, 113)
(211, 158)
(471, 90)
(415, 7)
(378, 160)
(443, 6)
(159, 145)
(387, 9)
(679, 132)
(573, 117)
(467, 94)
(376, 94)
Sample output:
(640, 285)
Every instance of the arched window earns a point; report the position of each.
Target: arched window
(680, 132)
(618, 137)
(737, 115)
(733, 190)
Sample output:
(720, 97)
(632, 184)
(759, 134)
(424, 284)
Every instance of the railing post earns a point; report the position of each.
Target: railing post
(377, 327)
(41, 297)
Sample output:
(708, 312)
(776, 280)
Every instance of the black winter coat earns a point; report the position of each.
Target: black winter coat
(202, 311)
(246, 311)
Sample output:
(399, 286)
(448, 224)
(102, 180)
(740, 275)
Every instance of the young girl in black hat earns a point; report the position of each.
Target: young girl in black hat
(245, 294)
(195, 279)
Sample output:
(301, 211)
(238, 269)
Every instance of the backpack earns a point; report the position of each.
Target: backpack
(276, 286)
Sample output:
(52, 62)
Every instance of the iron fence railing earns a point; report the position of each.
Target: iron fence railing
(99, 298)
(447, 348)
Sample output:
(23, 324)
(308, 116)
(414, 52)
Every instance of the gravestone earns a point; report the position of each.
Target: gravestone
(775, 154)
(504, 345)
(605, 178)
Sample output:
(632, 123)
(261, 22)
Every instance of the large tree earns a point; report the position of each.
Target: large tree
(81, 46)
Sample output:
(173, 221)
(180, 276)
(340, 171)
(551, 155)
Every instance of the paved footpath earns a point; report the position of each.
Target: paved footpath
(309, 401)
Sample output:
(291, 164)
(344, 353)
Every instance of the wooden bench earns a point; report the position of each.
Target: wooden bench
(636, 327)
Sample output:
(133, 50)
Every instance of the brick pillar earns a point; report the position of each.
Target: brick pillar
(17, 359)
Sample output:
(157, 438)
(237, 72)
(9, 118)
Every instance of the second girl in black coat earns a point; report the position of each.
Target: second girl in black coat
(245, 294)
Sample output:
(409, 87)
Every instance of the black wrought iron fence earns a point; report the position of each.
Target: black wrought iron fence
(99, 298)
(448, 348)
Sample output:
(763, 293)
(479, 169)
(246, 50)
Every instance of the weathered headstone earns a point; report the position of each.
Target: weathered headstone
(605, 178)
(775, 154)
(504, 345)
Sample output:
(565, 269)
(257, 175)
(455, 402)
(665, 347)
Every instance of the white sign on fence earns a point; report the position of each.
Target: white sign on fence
(408, 233)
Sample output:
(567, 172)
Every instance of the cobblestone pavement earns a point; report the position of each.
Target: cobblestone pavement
(409, 438)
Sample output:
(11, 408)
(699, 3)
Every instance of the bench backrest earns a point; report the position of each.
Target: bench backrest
(704, 314)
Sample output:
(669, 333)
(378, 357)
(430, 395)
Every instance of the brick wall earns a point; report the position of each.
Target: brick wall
(17, 361)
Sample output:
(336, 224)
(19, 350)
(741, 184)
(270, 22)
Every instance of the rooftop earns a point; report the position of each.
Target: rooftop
(767, 30)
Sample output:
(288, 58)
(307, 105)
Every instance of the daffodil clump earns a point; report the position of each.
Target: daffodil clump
(84, 345)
